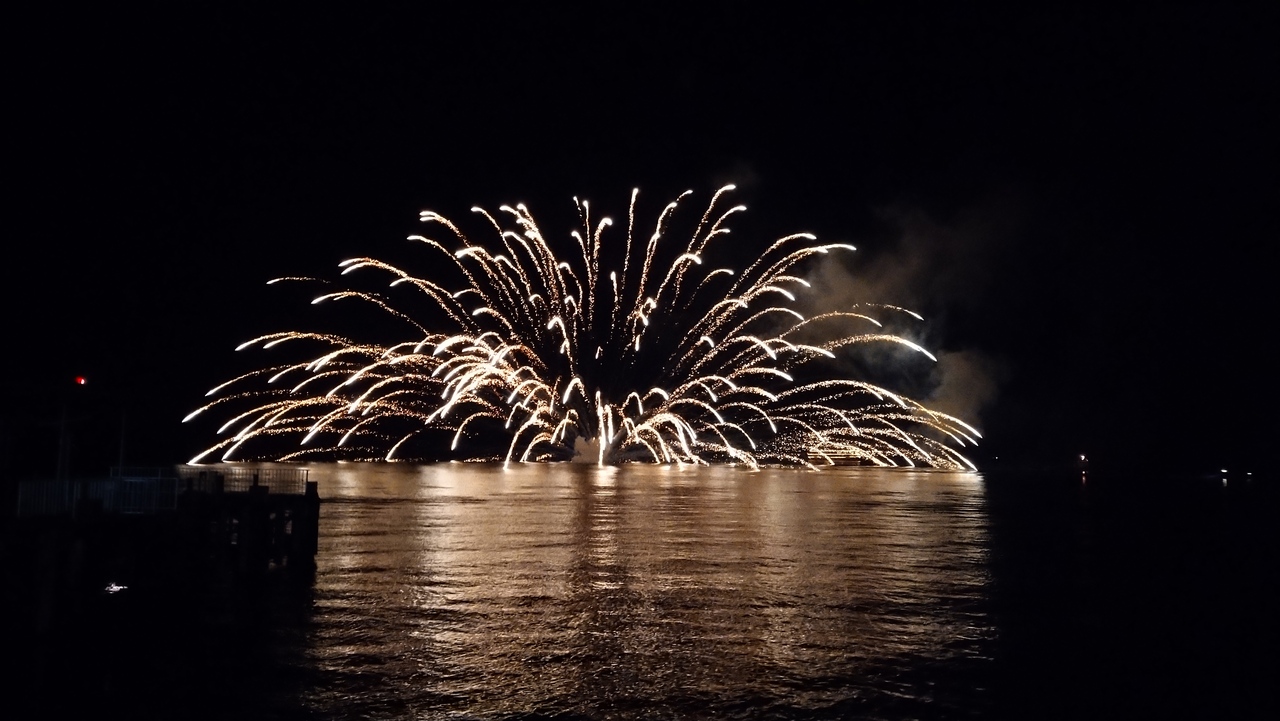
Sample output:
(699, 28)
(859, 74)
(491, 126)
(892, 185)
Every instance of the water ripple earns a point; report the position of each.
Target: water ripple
(651, 593)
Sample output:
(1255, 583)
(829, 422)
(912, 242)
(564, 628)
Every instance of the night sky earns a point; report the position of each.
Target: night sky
(1083, 205)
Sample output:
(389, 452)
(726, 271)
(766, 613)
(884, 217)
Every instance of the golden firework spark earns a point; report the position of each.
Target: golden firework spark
(537, 357)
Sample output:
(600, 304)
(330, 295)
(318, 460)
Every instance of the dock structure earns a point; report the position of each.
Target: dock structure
(243, 520)
(131, 566)
(270, 516)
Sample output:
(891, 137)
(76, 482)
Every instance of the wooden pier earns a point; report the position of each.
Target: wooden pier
(109, 579)
(260, 517)
(220, 542)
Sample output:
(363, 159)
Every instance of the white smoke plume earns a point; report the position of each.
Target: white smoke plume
(941, 269)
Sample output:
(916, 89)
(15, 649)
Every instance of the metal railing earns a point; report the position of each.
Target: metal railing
(112, 495)
(235, 479)
(151, 490)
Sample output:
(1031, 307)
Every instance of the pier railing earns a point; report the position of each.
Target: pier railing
(151, 490)
(112, 495)
(234, 479)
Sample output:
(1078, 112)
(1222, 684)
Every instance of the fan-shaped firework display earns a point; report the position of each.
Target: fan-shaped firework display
(637, 351)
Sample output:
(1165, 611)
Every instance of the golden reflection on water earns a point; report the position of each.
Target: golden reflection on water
(482, 590)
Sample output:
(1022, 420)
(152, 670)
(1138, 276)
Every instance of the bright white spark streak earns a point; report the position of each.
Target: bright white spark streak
(513, 346)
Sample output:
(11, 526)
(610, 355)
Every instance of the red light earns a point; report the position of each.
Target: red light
(81, 380)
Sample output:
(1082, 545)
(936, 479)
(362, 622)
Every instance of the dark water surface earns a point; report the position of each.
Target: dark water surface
(472, 592)
(651, 592)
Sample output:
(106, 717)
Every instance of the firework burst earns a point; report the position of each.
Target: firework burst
(528, 356)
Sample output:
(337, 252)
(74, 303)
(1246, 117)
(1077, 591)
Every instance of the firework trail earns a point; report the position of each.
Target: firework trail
(531, 357)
